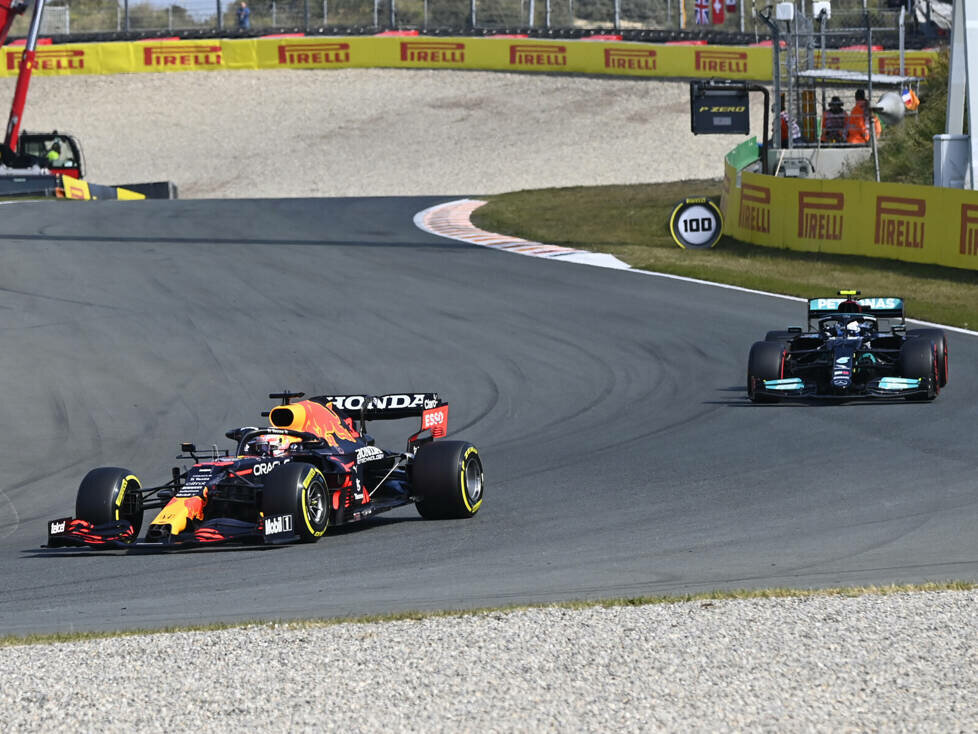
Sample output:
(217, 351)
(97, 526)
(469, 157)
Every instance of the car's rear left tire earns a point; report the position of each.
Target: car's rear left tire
(110, 494)
(299, 490)
(448, 480)
(765, 362)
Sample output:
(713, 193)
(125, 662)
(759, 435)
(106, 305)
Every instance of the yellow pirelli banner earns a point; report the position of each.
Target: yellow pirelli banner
(419, 52)
(498, 54)
(915, 63)
(922, 224)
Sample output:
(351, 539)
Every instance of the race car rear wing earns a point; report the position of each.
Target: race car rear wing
(426, 405)
(383, 407)
(881, 308)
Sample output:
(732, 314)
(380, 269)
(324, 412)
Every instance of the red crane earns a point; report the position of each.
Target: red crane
(57, 152)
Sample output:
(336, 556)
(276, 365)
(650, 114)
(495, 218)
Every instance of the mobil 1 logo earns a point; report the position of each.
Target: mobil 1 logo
(696, 223)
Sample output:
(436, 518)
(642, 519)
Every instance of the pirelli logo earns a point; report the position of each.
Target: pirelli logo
(537, 55)
(900, 222)
(50, 59)
(182, 55)
(629, 59)
(820, 215)
(725, 62)
(755, 208)
(313, 54)
(74, 189)
(432, 52)
(969, 229)
(913, 66)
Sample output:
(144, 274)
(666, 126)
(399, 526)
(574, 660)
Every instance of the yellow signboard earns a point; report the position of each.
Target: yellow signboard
(583, 56)
(419, 52)
(921, 224)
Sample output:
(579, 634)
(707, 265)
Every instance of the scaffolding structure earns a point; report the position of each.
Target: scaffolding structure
(811, 67)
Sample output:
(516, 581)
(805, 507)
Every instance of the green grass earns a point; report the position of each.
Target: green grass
(632, 223)
(705, 598)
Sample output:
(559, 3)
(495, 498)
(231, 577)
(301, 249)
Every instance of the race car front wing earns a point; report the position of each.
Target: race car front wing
(880, 387)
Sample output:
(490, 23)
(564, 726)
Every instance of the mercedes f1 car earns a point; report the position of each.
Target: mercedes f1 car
(854, 348)
(313, 467)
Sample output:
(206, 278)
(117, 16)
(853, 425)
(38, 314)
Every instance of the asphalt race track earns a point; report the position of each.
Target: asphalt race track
(622, 457)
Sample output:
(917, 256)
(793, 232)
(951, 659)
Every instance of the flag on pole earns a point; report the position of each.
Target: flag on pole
(703, 12)
(731, 6)
(718, 14)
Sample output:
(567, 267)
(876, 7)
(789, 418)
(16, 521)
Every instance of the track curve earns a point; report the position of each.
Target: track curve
(621, 455)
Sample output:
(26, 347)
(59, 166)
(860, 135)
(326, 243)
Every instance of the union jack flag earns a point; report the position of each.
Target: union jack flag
(703, 12)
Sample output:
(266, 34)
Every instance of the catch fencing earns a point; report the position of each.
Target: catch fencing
(705, 16)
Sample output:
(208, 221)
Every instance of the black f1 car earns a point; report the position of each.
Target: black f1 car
(312, 468)
(854, 348)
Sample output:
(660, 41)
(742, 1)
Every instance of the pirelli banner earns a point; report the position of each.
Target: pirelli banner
(327, 52)
(498, 54)
(922, 224)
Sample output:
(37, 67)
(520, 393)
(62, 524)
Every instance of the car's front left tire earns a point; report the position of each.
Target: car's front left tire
(299, 490)
(110, 494)
(918, 359)
(939, 339)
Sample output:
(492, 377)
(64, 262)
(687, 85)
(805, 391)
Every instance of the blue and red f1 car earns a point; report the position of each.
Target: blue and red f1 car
(313, 467)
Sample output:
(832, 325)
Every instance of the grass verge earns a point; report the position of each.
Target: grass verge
(711, 596)
(632, 223)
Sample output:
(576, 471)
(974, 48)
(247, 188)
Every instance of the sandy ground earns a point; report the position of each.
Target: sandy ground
(375, 132)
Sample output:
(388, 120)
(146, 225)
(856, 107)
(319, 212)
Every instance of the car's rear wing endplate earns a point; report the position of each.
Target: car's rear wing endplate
(882, 308)
(383, 407)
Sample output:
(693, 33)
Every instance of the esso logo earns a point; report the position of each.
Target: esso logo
(434, 419)
(266, 467)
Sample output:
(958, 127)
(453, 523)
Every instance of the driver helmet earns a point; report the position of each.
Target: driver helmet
(853, 327)
(270, 444)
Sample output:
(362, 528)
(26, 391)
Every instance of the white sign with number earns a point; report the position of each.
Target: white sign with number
(696, 223)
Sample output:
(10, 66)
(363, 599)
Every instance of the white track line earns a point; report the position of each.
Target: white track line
(453, 220)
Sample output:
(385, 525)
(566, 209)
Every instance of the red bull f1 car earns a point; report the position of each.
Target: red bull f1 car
(313, 467)
(854, 348)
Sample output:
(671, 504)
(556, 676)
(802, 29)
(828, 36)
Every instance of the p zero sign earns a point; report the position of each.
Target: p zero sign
(696, 223)
(717, 110)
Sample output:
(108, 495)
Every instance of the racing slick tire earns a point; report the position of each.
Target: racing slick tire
(766, 362)
(939, 339)
(448, 480)
(299, 490)
(110, 494)
(918, 358)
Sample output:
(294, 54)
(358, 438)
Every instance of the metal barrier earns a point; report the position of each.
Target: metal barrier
(726, 16)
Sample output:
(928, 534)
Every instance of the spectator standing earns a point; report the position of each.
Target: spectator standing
(244, 16)
(857, 126)
(834, 122)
